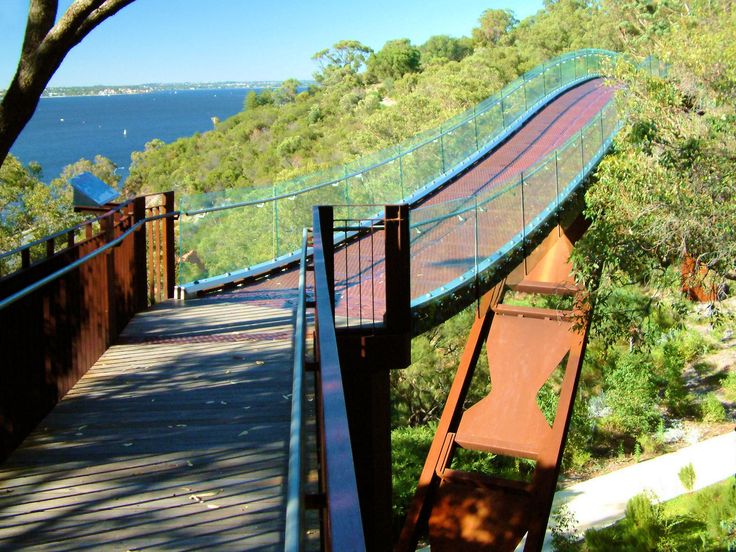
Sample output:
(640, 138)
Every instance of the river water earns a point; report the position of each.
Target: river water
(63, 130)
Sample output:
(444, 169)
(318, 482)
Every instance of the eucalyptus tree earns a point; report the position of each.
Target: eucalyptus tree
(49, 37)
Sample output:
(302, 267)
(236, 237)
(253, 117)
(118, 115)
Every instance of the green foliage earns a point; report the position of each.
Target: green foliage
(409, 448)
(494, 25)
(565, 537)
(669, 359)
(729, 386)
(643, 528)
(396, 58)
(102, 167)
(251, 100)
(704, 520)
(631, 395)
(346, 57)
(31, 209)
(687, 477)
(672, 167)
(712, 409)
(419, 391)
(443, 48)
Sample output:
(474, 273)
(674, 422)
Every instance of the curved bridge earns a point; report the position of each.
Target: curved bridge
(179, 422)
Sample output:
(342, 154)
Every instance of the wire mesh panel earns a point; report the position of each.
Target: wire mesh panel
(489, 123)
(460, 143)
(499, 218)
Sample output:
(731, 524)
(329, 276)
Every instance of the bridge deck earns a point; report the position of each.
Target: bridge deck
(177, 438)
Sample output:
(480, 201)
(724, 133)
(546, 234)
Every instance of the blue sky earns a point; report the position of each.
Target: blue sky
(220, 40)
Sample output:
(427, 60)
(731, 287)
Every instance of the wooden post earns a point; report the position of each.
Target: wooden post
(111, 330)
(169, 249)
(140, 249)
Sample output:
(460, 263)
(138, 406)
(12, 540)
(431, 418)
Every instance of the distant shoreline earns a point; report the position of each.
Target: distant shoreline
(144, 92)
(148, 88)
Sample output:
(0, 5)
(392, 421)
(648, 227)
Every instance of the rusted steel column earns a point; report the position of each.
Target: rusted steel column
(398, 289)
(418, 513)
(325, 215)
(367, 355)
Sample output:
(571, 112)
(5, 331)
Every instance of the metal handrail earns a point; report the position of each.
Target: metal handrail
(294, 531)
(462, 118)
(74, 228)
(513, 182)
(344, 521)
(65, 231)
(10, 299)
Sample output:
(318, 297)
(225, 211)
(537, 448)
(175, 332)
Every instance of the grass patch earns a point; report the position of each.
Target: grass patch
(704, 520)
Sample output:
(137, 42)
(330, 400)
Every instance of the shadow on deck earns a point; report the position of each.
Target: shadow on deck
(177, 438)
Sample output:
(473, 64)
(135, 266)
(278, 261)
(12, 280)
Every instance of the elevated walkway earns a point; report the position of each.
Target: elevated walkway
(177, 438)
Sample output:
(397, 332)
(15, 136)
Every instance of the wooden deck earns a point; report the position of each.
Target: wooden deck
(177, 439)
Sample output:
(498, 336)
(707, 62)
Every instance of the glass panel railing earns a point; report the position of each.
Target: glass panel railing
(264, 222)
(446, 237)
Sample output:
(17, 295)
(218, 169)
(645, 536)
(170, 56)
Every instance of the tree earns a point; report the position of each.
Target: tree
(102, 167)
(396, 58)
(494, 24)
(30, 209)
(45, 45)
(286, 93)
(345, 57)
(251, 100)
(668, 188)
(445, 48)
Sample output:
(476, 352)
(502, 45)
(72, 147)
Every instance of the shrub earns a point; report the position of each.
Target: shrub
(712, 410)
(643, 528)
(631, 395)
(409, 447)
(729, 386)
(565, 537)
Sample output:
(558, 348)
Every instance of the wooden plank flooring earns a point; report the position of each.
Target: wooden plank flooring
(177, 439)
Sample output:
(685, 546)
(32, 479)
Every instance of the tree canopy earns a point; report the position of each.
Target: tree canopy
(395, 59)
(668, 189)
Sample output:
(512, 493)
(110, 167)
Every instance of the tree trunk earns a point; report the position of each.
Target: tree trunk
(16, 109)
(45, 45)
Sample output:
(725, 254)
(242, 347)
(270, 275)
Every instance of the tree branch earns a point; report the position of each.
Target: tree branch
(45, 46)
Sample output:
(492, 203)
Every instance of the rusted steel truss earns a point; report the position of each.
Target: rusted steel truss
(525, 346)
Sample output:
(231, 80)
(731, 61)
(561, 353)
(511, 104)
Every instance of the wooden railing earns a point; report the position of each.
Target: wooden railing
(60, 310)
